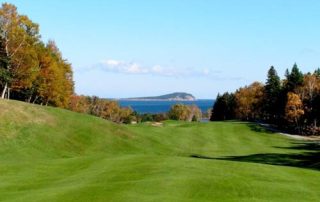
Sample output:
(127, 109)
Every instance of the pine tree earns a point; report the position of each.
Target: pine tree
(317, 72)
(224, 107)
(272, 93)
(294, 78)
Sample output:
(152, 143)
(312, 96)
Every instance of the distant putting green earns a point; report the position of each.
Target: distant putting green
(49, 154)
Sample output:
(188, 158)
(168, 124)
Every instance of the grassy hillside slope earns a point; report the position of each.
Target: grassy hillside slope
(49, 154)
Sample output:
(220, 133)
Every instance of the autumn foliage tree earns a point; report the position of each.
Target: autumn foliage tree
(18, 38)
(80, 104)
(179, 112)
(294, 109)
(183, 112)
(249, 101)
(55, 85)
(103, 108)
(29, 69)
(195, 113)
(290, 104)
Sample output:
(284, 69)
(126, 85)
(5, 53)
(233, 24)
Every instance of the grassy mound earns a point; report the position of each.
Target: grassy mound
(49, 154)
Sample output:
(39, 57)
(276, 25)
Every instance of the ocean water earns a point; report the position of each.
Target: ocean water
(155, 107)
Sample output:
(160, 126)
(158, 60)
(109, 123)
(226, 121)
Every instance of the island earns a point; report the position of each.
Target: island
(178, 96)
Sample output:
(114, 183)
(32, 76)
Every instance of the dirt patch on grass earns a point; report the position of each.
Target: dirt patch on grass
(298, 137)
(157, 124)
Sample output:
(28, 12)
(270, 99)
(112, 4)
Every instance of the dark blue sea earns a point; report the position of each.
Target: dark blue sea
(155, 107)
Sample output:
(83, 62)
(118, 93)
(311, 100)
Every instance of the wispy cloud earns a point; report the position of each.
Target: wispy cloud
(124, 67)
(134, 68)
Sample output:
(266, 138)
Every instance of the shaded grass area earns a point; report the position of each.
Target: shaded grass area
(49, 154)
(309, 159)
(307, 153)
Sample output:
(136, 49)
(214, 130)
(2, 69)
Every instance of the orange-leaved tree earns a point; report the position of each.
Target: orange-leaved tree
(249, 101)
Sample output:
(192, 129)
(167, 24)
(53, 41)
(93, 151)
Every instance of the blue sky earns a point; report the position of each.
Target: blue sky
(126, 48)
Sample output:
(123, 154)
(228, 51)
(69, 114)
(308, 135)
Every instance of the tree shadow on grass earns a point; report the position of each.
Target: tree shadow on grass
(257, 127)
(262, 128)
(307, 156)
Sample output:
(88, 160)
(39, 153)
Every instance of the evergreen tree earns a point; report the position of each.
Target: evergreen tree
(315, 113)
(294, 78)
(272, 93)
(224, 107)
(317, 72)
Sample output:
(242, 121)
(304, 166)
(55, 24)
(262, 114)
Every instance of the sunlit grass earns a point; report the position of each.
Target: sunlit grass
(49, 154)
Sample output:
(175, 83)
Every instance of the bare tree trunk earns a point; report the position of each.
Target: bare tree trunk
(35, 99)
(29, 99)
(4, 90)
(298, 126)
(8, 95)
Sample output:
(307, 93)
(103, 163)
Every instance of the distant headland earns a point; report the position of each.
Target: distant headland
(178, 96)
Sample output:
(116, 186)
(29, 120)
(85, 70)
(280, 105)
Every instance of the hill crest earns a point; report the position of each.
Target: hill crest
(177, 96)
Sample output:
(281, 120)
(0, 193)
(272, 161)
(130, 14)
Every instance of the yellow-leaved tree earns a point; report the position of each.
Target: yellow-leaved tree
(18, 35)
(294, 108)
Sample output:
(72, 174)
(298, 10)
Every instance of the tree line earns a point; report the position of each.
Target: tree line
(31, 70)
(111, 110)
(103, 108)
(291, 104)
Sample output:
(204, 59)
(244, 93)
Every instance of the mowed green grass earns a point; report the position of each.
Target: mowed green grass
(49, 154)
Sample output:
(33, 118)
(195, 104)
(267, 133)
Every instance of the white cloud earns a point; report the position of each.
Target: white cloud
(112, 65)
(121, 67)
(133, 68)
(206, 71)
(112, 62)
